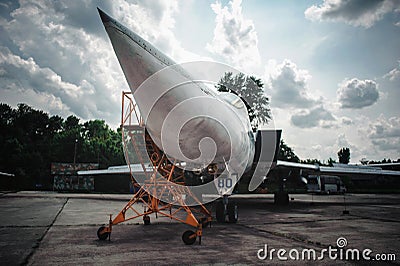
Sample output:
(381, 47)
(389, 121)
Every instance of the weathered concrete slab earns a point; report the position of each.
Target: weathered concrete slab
(23, 223)
(29, 212)
(17, 243)
(51, 228)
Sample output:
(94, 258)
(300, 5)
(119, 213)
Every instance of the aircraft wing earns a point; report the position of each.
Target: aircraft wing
(387, 166)
(6, 174)
(337, 169)
(121, 169)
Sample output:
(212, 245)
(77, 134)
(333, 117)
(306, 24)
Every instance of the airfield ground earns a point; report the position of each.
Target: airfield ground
(45, 228)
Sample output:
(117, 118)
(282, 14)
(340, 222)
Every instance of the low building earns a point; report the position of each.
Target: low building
(65, 176)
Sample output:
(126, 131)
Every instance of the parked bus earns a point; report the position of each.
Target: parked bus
(325, 184)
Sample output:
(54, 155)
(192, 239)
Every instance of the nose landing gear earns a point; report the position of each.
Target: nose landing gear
(226, 211)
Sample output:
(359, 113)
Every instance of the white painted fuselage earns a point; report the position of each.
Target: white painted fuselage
(186, 119)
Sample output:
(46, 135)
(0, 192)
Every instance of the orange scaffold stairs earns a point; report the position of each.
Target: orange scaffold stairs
(162, 189)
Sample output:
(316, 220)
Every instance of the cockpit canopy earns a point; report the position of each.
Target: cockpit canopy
(232, 99)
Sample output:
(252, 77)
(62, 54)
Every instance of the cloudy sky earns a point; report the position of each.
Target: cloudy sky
(331, 68)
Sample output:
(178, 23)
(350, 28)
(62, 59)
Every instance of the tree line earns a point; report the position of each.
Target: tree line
(30, 140)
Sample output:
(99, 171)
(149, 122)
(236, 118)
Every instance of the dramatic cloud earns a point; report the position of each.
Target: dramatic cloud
(343, 142)
(394, 73)
(317, 117)
(387, 145)
(62, 60)
(355, 93)
(21, 74)
(154, 21)
(384, 128)
(288, 86)
(385, 133)
(235, 38)
(60, 52)
(289, 89)
(43, 100)
(354, 12)
(346, 121)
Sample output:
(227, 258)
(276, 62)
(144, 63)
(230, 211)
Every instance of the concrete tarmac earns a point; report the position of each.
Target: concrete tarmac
(46, 228)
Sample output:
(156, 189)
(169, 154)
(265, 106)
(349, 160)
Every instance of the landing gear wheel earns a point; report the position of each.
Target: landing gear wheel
(232, 212)
(189, 237)
(220, 212)
(281, 198)
(102, 235)
(146, 220)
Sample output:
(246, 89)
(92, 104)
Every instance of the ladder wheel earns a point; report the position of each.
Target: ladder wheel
(146, 220)
(102, 235)
(189, 237)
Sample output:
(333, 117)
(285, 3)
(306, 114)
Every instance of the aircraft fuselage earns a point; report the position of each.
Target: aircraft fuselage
(187, 120)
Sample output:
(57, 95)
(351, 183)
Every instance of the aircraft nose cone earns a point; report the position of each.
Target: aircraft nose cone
(104, 17)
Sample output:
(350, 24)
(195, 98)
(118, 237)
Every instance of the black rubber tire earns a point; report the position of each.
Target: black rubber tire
(146, 220)
(281, 198)
(220, 212)
(102, 236)
(186, 237)
(232, 212)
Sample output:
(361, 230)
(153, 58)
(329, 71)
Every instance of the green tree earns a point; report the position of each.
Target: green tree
(7, 137)
(7, 115)
(30, 140)
(25, 143)
(344, 155)
(311, 161)
(64, 141)
(72, 122)
(286, 153)
(102, 143)
(251, 90)
(55, 125)
(331, 161)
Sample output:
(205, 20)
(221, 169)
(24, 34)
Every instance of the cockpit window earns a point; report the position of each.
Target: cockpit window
(233, 100)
